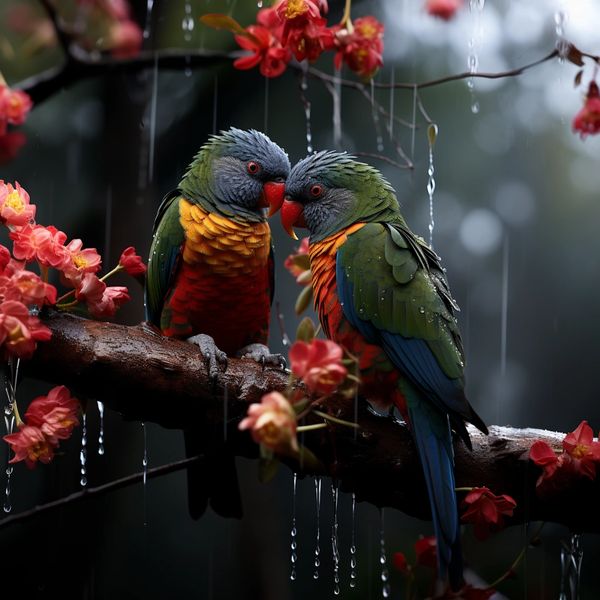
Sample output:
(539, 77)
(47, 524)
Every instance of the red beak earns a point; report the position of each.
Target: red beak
(272, 196)
(292, 214)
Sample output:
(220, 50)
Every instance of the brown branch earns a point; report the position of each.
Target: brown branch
(99, 490)
(138, 372)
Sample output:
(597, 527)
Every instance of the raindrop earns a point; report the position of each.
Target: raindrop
(187, 24)
(476, 8)
(385, 587)
(432, 132)
(145, 456)
(83, 452)
(101, 430)
(306, 102)
(337, 109)
(294, 532)
(353, 562)
(147, 27)
(562, 45)
(391, 111)
(571, 556)
(375, 111)
(334, 541)
(259, 3)
(317, 562)
(11, 377)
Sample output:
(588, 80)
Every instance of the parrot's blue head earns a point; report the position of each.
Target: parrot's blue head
(238, 173)
(329, 191)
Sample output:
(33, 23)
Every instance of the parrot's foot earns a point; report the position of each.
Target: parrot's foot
(261, 354)
(212, 355)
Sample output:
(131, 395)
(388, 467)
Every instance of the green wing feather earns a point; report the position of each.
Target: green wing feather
(399, 286)
(165, 252)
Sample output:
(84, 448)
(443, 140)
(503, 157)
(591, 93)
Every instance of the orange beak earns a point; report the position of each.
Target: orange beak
(273, 193)
(292, 214)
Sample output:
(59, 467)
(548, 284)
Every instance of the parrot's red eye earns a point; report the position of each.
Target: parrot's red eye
(253, 167)
(316, 191)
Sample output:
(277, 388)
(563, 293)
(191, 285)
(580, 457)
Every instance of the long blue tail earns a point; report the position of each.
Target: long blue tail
(433, 437)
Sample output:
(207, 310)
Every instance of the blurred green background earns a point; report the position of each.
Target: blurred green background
(517, 208)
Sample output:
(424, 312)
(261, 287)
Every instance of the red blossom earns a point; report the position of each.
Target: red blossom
(102, 301)
(20, 331)
(21, 285)
(444, 9)
(467, 592)
(426, 551)
(125, 39)
(10, 144)
(30, 444)
(583, 450)
(14, 105)
(44, 244)
(4, 257)
(132, 262)
(400, 563)
(298, 263)
(587, 120)
(361, 48)
(55, 414)
(272, 423)
(15, 208)
(318, 364)
(81, 261)
(486, 511)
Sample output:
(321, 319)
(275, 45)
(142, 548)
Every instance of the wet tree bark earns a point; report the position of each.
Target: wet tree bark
(146, 376)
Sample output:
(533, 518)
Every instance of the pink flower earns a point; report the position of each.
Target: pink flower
(298, 263)
(583, 450)
(318, 364)
(4, 257)
(25, 286)
(55, 414)
(131, 262)
(444, 9)
(15, 208)
(362, 49)
(102, 301)
(30, 444)
(44, 244)
(486, 511)
(125, 39)
(272, 423)
(14, 105)
(81, 261)
(587, 120)
(20, 331)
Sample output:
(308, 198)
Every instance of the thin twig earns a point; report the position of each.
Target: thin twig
(100, 490)
(384, 158)
(61, 35)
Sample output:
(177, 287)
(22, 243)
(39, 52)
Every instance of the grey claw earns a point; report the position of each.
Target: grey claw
(212, 355)
(262, 355)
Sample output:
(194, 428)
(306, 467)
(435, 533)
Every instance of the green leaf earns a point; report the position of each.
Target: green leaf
(306, 330)
(303, 300)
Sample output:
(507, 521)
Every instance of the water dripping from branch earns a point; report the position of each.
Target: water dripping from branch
(11, 375)
(101, 429)
(334, 540)
(571, 556)
(353, 562)
(476, 8)
(294, 533)
(375, 112)
(385, 584)
(337, 109)
(432, 132)
(317, 561)
(187, 23)
(148, 25)
(306, 105)
(83, 452)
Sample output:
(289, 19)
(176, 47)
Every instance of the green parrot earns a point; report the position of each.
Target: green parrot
(210, 277)
(381, 293)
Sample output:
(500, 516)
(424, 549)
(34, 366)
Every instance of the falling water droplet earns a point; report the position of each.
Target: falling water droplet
(153, 105)
(504, 321)
(353, 562)
(215, 101)
(188, 69)
(571, 557)
(11, 377)
(148, 26)
(317, 562)
(145, 455)
(83, 452)
(413, 123)
(432, 132)
(476, 8)
(391, 111)
(385, 584)
(334, 541)
(306, 103)
(259, 3)
(375, 111)
(187, 24)
(562, 45)
(101, 429)
(294, 533)
(337, 109)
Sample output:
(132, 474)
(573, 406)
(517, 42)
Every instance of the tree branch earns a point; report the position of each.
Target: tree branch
(138, 372)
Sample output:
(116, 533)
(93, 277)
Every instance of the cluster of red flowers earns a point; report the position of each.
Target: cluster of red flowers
(299, 28)
(425, 556)
(48, 420)
(580, 458)
(318, 364)
(486, 511)
(587, 120)
(23, 293)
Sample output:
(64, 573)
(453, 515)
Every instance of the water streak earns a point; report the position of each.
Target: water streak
(148, 25)
(101, 429)
(391, 110)
(306, 102)
(432, 132)
(145, 457)
(337, 109)
(504, 320)
(317, 562)
(562, 44)
(187, 24)
(385, 584)
(83, 452)
(11, 375)
(153, 105)
(353, 561)
(476, 8)
(334, 541)
(294, 533)
(571, 556)
(375, 111)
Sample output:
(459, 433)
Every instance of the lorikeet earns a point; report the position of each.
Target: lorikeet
(381, 292)
(210, 274)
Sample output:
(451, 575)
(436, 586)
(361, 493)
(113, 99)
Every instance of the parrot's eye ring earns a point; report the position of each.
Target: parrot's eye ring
(316, 191)
(253, 167)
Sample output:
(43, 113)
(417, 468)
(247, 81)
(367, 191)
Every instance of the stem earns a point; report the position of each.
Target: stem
(311, 427)
(111, 273)
(464, 489)
(67, 305)
(15, 408)
(346, 22)
(334, 419)
(517, 560)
